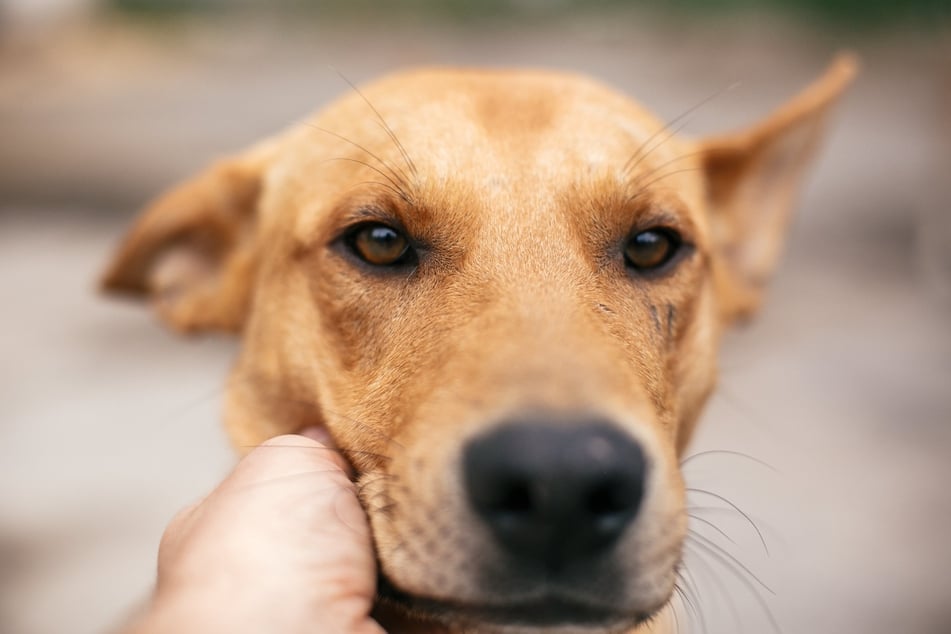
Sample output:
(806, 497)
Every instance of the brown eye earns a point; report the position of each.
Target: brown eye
(379, 244)
(651, 249)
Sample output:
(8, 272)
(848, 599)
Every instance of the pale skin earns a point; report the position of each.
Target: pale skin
(281, 545)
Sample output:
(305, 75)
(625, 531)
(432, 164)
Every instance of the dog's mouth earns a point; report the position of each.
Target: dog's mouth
(545, 611)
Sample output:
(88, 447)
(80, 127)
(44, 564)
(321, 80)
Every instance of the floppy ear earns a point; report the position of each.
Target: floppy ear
(753, 178)
(192, 252)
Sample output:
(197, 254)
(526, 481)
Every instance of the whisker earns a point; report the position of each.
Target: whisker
(658, 168)
(743, 580)
(690, 610)
(397, 174)
(390, 188)
(673, 612)
(737, 509)
(682, 118)
(691, 588)
(386, 127)
(713, 526)
(642, 188)
(719, 587)
(399, 145)
(728, 452)
(716, 549)
(396, 187)
(689, 594)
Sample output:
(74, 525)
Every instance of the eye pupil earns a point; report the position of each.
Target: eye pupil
(379, 244)
(650, 249)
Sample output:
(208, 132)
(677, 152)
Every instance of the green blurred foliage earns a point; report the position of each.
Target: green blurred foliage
(847, 12)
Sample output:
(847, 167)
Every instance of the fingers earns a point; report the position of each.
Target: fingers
(310, 455)
(286, 455)
(175, 531)
(285, 533)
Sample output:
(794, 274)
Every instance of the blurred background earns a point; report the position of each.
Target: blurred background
(108, 424)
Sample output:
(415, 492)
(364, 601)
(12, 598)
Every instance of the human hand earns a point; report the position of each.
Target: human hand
(282, 546)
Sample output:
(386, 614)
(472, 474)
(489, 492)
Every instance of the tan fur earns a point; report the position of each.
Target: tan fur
(515, 181)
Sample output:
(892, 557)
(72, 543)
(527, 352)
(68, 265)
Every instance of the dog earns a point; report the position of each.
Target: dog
(502, 293)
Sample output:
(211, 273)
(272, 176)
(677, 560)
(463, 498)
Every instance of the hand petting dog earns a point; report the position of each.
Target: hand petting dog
(502, 294)
(280, 546)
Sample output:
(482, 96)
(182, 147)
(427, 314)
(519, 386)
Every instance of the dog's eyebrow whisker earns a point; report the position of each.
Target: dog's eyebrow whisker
(658, 168)
(683, 119)
(391, 189)
(643, 188)
(398, 174)
(394, 184)
(389, 131)
(746, 516)
(399, 145)
(731, 567)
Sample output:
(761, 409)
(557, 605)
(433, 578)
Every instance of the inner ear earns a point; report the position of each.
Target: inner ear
(192, 253)
(753, 178)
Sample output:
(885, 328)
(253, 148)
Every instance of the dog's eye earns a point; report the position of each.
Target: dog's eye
(651, 249)
(379, 244)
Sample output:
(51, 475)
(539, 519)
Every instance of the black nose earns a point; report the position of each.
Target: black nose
(555, 495)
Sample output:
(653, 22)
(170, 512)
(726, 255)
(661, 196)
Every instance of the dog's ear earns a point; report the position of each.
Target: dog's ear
(192, 252)
(752, 181)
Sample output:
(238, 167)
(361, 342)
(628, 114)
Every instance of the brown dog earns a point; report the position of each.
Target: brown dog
(502, 293)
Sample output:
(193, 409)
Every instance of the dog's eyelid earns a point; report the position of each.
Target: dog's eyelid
(367, 214)
(665, 221)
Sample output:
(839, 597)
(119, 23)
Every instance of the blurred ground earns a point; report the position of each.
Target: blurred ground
(844, 385)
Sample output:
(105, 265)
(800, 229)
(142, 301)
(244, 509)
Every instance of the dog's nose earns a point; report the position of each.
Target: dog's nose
(555, 495)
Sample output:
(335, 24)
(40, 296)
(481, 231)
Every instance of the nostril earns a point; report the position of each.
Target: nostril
(553, 495)
(609, 498)
(515, 498)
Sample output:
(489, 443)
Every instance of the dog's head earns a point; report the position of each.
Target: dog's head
(502, 293)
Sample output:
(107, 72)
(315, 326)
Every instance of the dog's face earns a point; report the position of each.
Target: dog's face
(502, 294)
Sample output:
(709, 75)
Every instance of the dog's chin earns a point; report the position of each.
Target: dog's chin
(548, 613)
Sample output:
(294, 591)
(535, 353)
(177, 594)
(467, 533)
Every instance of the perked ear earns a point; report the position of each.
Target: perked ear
(752, 181)
(192, 252)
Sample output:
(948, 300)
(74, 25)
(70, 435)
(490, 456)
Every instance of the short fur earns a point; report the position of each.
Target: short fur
(522, 186)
